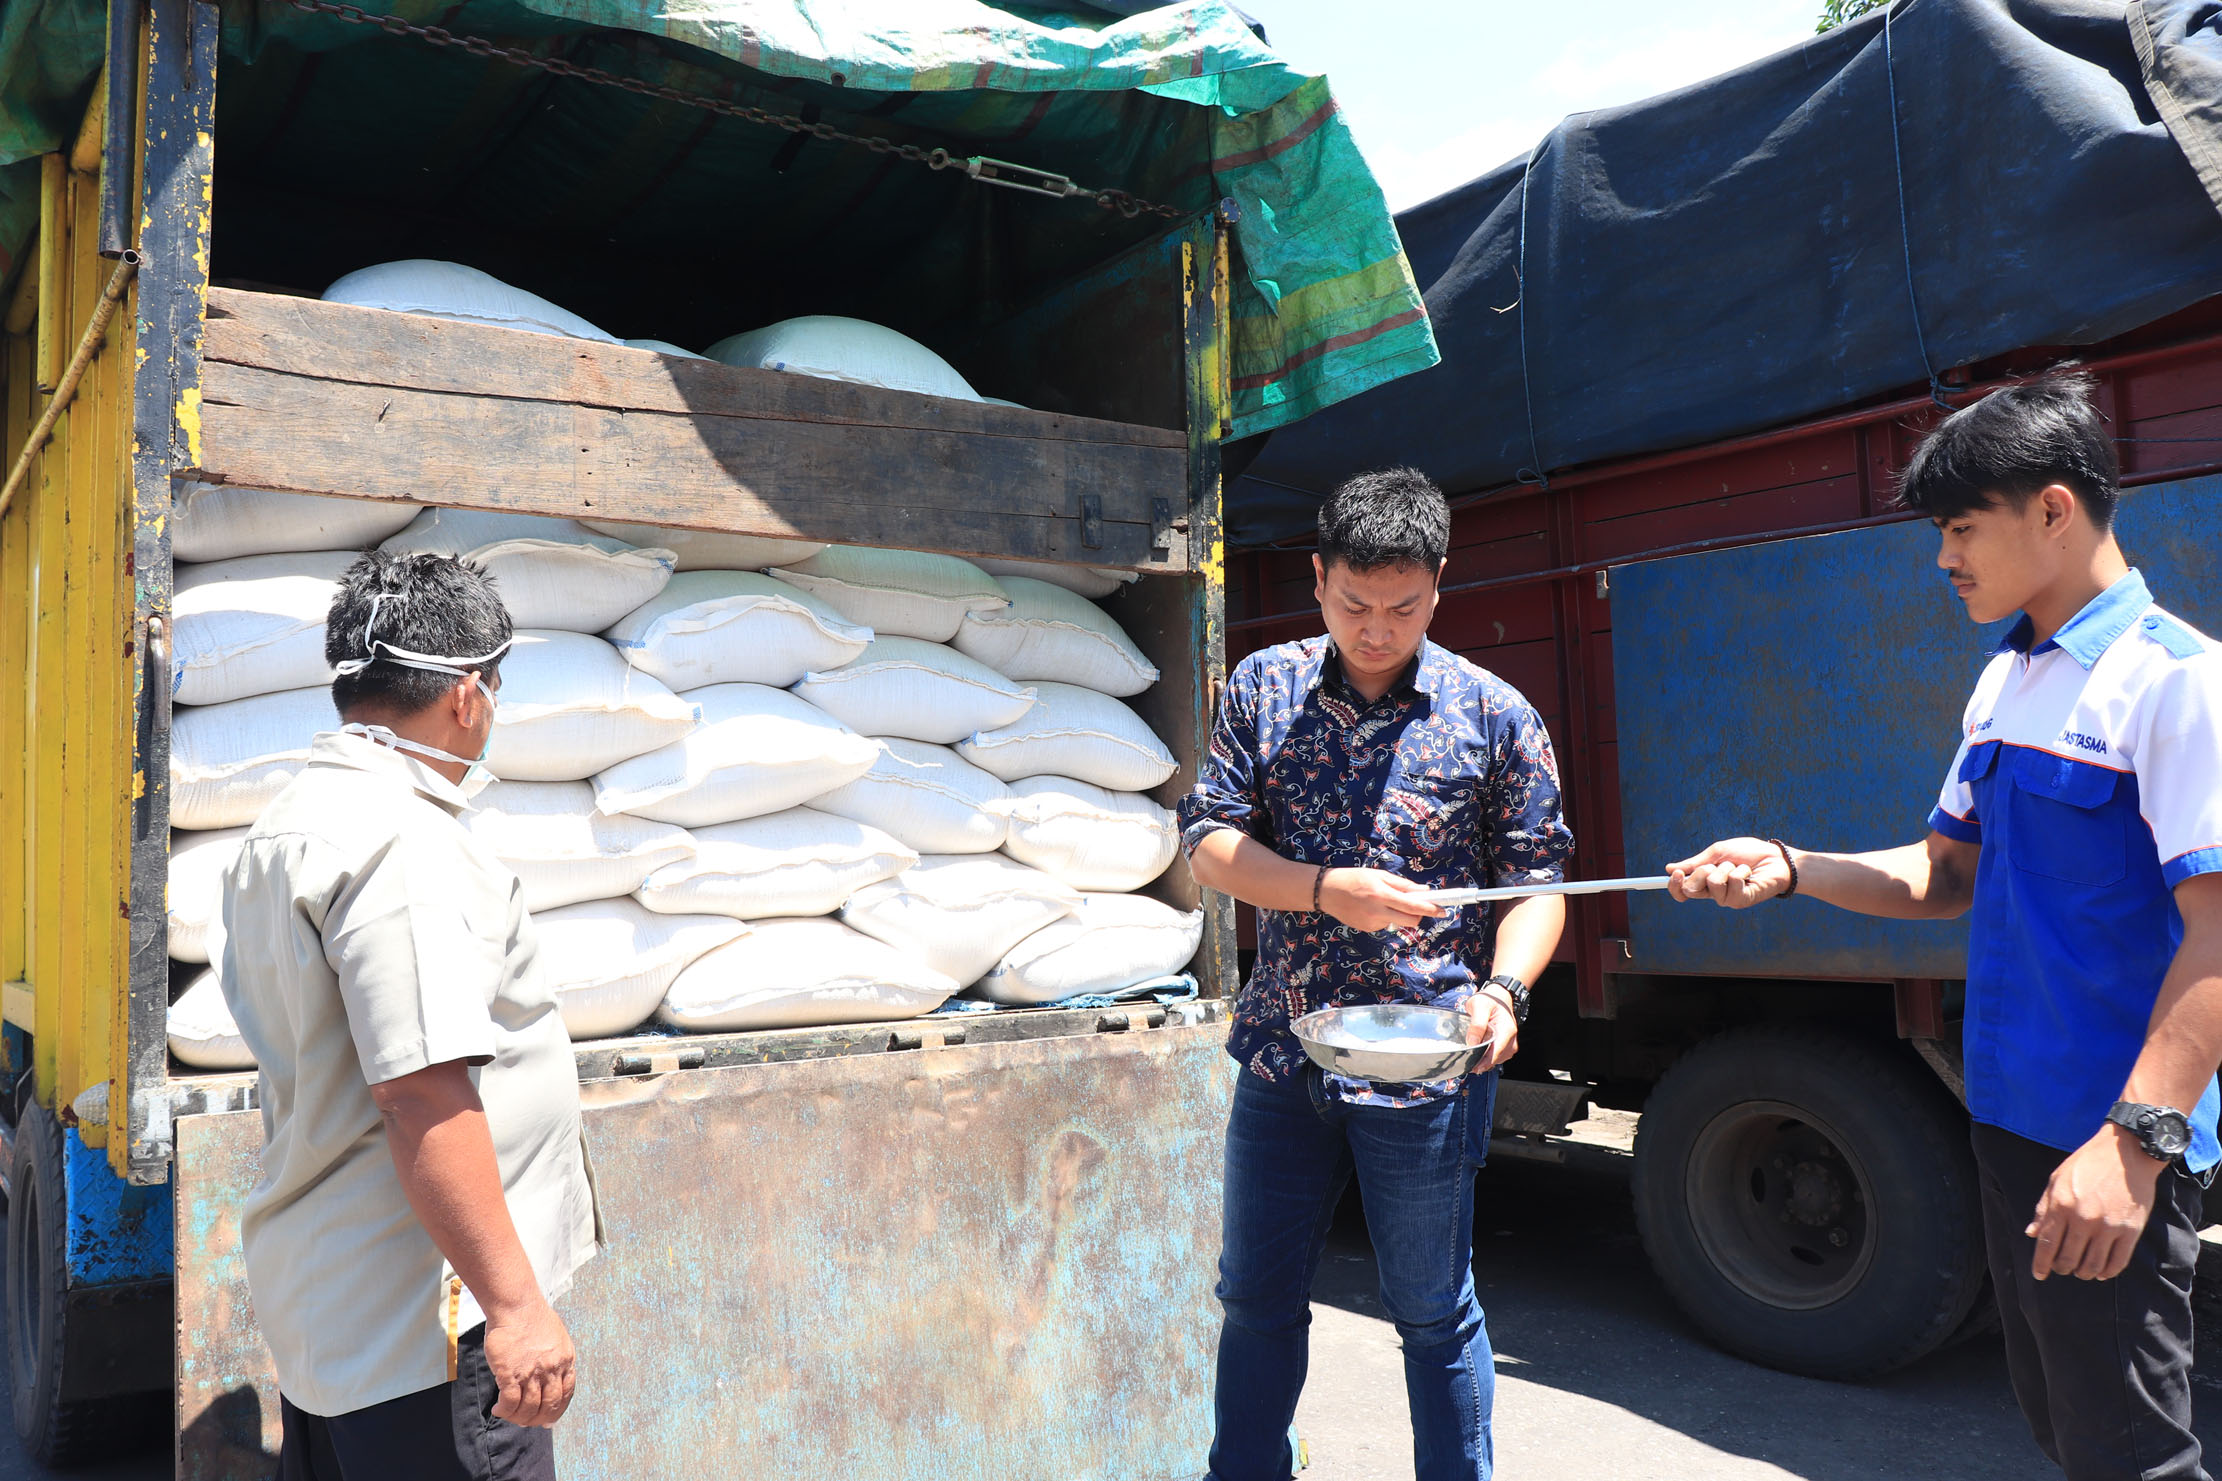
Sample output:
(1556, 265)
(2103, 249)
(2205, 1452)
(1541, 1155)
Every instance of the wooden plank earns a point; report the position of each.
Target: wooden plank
(334, 341)
(856, 484)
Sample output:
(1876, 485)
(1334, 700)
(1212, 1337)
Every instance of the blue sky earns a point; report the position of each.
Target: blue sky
(1439, 91)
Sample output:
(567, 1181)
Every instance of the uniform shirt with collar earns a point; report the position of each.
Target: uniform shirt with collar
(1447, 779)
(370, 936)
(2090, 773)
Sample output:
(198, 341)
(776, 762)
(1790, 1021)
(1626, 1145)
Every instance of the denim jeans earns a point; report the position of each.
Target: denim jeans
(1291, 1150)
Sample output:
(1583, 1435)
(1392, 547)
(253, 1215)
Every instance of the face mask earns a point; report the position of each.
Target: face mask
(378, 650)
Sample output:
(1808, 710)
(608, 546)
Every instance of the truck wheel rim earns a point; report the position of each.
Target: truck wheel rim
(1780, 1205)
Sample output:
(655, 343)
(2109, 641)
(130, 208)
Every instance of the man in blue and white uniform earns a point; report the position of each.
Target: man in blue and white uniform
(2082, 823)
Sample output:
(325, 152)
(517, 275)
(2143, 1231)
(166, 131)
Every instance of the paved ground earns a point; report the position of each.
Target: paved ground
(1599, 1377)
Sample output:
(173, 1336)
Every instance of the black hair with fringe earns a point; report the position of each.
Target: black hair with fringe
(1389, 517)
(2012, 444)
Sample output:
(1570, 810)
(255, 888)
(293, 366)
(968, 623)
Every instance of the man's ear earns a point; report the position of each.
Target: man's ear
(1319, 580)
(2059, 504)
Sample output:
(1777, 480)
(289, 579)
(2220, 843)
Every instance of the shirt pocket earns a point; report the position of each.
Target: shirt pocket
(2063, 822)
(1428, 822)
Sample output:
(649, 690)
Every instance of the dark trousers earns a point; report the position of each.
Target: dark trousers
(1291, 1150)
(445, 1433)
(2102, 1369)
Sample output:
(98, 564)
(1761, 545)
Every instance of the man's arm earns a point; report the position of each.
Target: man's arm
(1363, 899)
(1930, 880)
(444, 1153)
(2098, 1202)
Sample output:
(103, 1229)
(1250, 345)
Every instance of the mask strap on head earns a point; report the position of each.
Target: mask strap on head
(409, 658)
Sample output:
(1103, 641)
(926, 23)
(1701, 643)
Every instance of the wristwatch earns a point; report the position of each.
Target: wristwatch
(2162, 1131)
(1517, 991)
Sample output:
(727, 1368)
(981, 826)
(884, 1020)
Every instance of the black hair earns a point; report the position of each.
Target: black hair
(2013, 443)
(1389, 517)
(434, 604)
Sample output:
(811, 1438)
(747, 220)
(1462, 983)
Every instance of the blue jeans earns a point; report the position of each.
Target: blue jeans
(1291, 1150)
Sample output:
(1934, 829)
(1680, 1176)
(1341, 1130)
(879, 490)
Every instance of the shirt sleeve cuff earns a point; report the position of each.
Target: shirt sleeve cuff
(2206, 860)
(1193, 834)
(1959, 830)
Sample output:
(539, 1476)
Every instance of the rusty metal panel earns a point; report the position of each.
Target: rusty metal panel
(967, 1264)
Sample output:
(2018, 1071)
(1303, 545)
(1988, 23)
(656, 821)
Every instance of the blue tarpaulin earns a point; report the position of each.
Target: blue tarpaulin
(1921, 189)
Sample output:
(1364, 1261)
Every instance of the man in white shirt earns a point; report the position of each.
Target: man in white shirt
(424, 1192)
(2081, 826)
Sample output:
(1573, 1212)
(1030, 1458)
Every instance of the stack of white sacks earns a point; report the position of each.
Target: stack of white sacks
(746, 783)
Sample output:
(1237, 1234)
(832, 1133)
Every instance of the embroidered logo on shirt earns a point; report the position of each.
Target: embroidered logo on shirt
(2083, 742)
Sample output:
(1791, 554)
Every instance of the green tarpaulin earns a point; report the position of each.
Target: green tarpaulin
(1325, 305)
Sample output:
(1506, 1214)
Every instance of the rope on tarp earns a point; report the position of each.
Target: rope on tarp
(1009, 176)
(1537, 472)
(1905, 227)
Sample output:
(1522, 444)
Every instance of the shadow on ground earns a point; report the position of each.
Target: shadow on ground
(1600, 1376)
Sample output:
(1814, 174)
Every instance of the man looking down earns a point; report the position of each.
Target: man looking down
(1347, 774)
(2081, 820)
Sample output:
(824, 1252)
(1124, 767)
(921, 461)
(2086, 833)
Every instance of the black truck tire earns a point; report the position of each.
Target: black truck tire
(1809, 1200)
(54, 1431)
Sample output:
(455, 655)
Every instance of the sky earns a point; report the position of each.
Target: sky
(1441, 91)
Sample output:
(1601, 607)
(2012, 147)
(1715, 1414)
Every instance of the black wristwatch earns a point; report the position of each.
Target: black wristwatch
(2162, 1131)
(1514, 989)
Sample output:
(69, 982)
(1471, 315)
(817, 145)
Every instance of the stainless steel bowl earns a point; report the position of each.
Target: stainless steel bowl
(1390, 1043)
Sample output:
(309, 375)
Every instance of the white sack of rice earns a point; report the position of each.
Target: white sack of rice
(1109, 943)
(253, 624)
(562, 849)
(758, 750)
(450, 290)
(1074, 732)
(216, 522)
(203, 1034)
(734, 627)
(794, 972)
(1087, 836)
(927, 797)
(797, 862)
(550, 573)
(958, 913)
(855, 350)
(1095, 582)
(609, 961)
(229, 761)
(709, 550)
(898, 593)
(1048, 632)
(195, 892)
(916, 690)
(570, 707)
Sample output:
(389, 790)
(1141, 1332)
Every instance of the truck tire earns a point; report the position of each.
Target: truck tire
(1809, 1200)
(54, 1431)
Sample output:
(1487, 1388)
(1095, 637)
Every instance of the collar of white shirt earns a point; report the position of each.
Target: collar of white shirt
(360, 753)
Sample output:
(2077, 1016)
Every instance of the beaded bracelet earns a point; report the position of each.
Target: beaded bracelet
(1789, 864)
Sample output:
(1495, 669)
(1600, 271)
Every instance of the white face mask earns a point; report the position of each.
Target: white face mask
(475, 776)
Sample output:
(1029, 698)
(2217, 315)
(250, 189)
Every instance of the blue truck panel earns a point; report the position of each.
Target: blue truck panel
(1812, 690)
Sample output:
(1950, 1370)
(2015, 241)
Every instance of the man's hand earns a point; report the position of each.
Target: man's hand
(1736, 872)
(1372, 900)
(530, 1354)
(1490, 1021)
(2091, 1214)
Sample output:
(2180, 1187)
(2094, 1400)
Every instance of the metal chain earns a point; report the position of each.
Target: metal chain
(986, 171)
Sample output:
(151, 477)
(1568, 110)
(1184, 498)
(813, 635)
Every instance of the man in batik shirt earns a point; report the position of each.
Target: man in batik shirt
(1349, 773)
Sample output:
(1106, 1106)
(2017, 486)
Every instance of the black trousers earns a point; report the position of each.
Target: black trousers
(446, 1433)
(2102, 1369)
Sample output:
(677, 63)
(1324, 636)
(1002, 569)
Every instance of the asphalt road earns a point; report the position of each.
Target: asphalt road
(1599, 1377)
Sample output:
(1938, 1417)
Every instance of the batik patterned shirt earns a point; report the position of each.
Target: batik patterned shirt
(1447, 779)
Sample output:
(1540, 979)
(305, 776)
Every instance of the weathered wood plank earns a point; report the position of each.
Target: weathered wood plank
(305, 336)
(858, 484)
